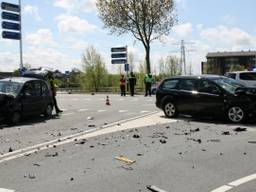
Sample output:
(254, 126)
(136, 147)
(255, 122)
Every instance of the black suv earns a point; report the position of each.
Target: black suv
(208, 95)
(21, 96)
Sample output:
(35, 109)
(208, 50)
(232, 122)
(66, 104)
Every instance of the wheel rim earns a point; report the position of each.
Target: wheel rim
(170, 109)
(16, 117)
(236, 114)
(49, 110)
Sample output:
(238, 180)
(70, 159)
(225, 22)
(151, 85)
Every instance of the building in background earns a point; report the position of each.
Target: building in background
(222, 62)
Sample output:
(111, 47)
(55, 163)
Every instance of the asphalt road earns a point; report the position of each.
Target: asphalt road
(174, 155)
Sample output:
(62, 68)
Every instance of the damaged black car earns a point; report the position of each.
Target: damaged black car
(20, 97)
(206, 95)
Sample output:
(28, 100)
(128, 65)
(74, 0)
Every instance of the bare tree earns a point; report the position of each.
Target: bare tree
(147, 20)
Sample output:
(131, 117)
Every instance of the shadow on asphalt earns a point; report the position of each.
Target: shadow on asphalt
(211, 120)
(31, 120)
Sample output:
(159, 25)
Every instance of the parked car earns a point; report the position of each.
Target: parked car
(206, 95)
(247, 78)
(21, 97)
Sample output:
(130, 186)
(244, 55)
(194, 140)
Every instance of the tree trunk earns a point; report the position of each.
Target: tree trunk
(147, 49)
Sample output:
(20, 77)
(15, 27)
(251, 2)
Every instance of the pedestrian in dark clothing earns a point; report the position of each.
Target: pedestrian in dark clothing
(122, 85)
(148, 83)
(132, 82)
(54, 93)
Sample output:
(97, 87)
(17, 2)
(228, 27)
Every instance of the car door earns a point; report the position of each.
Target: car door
(31, 99)
(210, 98)
(187, 95)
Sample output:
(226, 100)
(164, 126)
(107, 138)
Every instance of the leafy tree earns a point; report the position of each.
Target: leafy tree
(169, 67)
(147, 20)
(94, 70)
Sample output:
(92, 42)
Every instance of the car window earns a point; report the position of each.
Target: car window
(9, 87)
(28, 89)
(37, 88)
(208, 87)
(169, 84)
(248, 76)
(188, 84)
(231, 75)
(45, 90)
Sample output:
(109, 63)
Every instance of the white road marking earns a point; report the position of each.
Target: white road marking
(121, 99)
(134, 100)
(87, 99)
(101, 99)
(100, 111)
(122, 111)
(235, 184)
(81, 110)
(6, 190)
(222, 188)
(67, 114)
(135, 122)
(144, 111)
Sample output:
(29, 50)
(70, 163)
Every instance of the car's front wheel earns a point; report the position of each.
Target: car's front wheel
(48, 110)
(236, 114)
(170, 110)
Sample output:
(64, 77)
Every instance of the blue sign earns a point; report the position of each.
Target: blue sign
(119, 49)
(9, 25)
(118, 55)
(10, 16)
(118, 61)
(10, 7)
(11, 35)
(126, 67)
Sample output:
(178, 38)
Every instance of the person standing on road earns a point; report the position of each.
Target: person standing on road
(148, 83)
(132, 82)
(122, 85)
(54, 93)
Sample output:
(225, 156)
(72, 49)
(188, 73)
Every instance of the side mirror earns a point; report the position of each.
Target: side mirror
(240, 92)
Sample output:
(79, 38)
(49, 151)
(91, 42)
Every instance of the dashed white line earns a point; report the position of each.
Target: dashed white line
(100, 111)
(67, 114)
(81, 110)
(6, 190)
(144, 111)
(122, 111)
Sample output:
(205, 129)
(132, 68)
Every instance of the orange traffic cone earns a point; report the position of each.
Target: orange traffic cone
(107, 101)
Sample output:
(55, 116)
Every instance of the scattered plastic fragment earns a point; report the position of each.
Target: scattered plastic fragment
(155, 189)
(124, 159)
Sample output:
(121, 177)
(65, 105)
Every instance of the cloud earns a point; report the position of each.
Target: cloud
(74, 6)
(80, 45)
(70, 23)
(183, 30)
(49, 57)
(41, 38)
(32, 11)
(228, 37)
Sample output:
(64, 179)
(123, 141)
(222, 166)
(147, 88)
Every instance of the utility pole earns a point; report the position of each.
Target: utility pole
(21, 50)
(183, 65)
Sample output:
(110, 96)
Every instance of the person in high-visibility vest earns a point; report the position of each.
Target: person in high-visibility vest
(148, 83)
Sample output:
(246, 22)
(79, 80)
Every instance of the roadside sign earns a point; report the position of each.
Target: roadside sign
(9, 25)
(118, 55)
(10, 7)
(119, 49)
(10, 16)
(126, 67)
(11, 35)
(118, 61)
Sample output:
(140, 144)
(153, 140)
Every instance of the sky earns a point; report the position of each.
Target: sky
(56, 33)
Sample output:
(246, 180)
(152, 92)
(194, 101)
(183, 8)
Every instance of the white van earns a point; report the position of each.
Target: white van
(247, 78)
